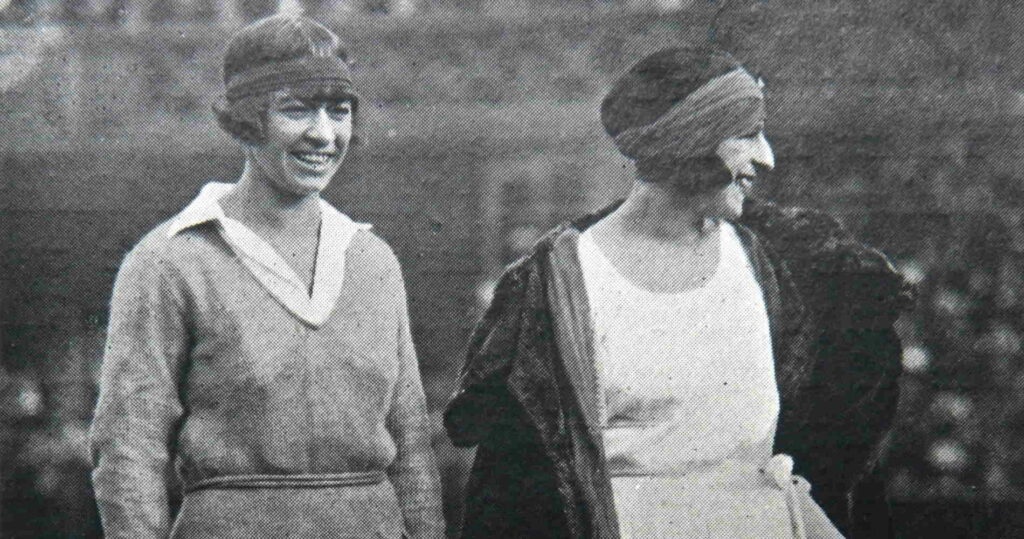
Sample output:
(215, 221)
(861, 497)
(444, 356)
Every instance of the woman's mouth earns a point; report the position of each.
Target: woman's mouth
(314, 160)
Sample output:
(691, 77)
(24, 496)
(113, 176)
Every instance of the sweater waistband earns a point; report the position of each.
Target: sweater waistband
(303, 481)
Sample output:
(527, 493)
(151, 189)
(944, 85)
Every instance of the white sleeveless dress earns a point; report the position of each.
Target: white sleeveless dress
(689, 402)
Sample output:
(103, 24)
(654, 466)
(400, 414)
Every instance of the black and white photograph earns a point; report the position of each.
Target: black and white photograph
(486, 269)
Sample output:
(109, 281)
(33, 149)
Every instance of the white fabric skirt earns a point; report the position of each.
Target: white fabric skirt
(731, 500)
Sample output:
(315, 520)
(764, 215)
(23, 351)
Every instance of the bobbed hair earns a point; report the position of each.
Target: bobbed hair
(275, 39)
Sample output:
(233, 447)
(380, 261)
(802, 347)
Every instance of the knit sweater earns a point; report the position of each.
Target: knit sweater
(205, 369)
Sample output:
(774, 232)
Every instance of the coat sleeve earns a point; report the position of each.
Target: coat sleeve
(414, 472)
(859, 365)
(482, 402)
(138, 408)
(513, 490)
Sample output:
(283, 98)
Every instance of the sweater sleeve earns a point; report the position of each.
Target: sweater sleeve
(414, 472)
(138, 408)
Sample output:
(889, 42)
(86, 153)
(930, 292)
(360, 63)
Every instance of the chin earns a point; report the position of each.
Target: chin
(732, 212)
(730, 203)
(306, 186)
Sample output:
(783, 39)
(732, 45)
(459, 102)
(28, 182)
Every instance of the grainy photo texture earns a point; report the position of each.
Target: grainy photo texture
(511, 269)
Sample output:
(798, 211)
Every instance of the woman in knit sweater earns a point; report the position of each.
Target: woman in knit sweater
(259, 340)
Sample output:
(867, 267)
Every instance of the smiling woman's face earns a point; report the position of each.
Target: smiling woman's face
(741, 156)
(304, 143)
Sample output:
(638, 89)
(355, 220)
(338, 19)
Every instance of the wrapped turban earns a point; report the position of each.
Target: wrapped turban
(679, 104)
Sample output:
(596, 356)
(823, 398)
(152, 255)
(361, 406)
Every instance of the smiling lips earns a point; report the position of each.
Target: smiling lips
(314, 159)
(745, 182)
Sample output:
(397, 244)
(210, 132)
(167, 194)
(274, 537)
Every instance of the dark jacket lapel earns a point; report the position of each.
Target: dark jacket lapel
(570, 314)
(568, 301)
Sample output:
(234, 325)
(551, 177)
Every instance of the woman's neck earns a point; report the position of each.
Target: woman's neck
(657, 212)
(256, 202)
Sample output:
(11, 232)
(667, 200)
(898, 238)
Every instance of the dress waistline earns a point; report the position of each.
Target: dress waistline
(776, 473)
(303, 481)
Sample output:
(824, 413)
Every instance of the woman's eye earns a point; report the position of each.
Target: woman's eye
(339, 111)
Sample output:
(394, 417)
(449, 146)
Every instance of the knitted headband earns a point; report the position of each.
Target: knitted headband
(279, 75)
(727, 106)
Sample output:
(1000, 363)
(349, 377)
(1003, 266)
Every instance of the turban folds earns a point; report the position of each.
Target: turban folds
(671, 110)
(726, 106)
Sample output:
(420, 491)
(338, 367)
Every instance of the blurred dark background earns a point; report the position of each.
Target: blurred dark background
(482, 130)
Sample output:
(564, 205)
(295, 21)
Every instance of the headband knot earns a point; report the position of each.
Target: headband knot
(279, 75)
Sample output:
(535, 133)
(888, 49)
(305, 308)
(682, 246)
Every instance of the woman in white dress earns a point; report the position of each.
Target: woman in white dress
(653, 371)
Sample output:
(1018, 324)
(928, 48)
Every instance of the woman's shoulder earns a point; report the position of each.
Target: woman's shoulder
(814, 238)
(162, 259)
(162, 246)
(823, 256)
(368, 244)
(789, 224)
(368, 253)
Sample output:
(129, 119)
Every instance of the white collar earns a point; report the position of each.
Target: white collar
(267, 266)
(205, 207)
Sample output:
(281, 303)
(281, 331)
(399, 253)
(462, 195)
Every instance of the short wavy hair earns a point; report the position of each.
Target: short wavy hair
(275, 39)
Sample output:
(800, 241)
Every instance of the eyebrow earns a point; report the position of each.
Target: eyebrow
(284, 99)
(290, 99)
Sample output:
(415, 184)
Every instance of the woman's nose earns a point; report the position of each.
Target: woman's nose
(321, 129)
(763, 154)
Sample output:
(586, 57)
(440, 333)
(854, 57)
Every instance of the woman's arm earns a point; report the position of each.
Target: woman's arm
(138, 406)
(414, 472)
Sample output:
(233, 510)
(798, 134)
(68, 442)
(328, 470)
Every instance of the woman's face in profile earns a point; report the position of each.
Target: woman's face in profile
(304, 142)
(742, 156)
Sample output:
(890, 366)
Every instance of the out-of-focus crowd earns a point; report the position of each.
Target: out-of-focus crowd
(908, 133)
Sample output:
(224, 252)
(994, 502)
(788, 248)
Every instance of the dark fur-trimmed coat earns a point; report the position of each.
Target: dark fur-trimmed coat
(525, 402)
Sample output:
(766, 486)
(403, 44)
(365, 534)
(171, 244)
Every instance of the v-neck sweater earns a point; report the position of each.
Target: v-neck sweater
(205, 368)
(312, 305)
